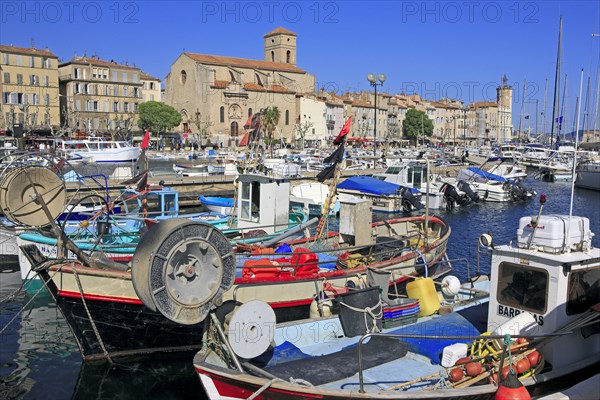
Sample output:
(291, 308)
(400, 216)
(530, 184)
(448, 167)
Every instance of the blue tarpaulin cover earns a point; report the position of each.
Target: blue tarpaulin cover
(487, 175)
(367, 184)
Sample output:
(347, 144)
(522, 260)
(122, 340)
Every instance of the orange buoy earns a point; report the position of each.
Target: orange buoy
(512, 389)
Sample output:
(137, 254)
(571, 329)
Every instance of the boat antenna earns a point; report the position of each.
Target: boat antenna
(575, 154)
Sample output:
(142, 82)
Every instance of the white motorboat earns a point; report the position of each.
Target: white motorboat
(97, 150)
(588, 174)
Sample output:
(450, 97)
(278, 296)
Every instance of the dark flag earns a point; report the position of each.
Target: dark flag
(327, 173)
(335, 157)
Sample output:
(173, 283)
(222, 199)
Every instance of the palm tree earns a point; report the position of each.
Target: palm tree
(271, 119)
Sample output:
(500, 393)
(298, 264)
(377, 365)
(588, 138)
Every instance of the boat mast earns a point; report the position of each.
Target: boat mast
(575, 155)
(544, 111)
(562, 118)
(522, 108)
(556, 83)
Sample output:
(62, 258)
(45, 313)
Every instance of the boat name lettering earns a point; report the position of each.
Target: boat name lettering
(539, 227)
(513, 312)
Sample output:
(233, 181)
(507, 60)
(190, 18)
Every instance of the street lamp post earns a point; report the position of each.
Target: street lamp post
(375, 80)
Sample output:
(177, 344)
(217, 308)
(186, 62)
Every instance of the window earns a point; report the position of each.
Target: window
(31, 61)
(77, 105)
(125, 91)
(7, 77)
(86, 88)
(287, 117)
(222, 114)
(19, 61)
(76, 88)
(182, 77)
(19, 79)
(232, 77)
(33, 80)
(47, 99)
(47, 81)
(151, 85)
(258, 81)
(288, 57)
(45, 62)
(234, 128)
(583, 290)
(116, 90)
(523, 287)
(124, 76)
(114, 76)
(134, 78)
(250, 201)
(21, 118)
(106, 106)
(249, 112)
(76, 73)
(5, 59)
(35, 99)
(115, 106)
(272, 56)
(6, 98)
(95, 73)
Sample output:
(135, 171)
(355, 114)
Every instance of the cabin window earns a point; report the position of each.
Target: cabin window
(250, 201)
(523, 287)
(583, 290)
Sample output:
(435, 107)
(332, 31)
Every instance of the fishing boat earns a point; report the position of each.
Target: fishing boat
(588, 174)
(223, 205)
(111, 307)
(531, 326)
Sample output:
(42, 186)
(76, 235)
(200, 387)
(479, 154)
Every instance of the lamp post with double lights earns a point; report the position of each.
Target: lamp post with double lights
(375, 80)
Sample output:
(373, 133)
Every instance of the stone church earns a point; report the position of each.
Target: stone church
(216, 94)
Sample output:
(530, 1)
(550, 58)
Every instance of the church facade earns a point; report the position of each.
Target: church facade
(216, 94)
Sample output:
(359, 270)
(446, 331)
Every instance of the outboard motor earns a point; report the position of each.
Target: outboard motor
(450, 194)
(517, 190)
(464, 187)
(409, 200)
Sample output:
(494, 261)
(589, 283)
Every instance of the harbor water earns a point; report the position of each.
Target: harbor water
(39, 358)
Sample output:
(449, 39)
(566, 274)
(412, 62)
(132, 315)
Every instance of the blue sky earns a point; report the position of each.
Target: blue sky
(458, 49)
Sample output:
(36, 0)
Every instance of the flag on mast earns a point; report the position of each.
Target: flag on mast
(345, 130)
(146, 141)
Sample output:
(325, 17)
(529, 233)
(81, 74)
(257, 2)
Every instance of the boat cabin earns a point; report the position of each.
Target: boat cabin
(411, 173)
(545, 283)
(263, 201)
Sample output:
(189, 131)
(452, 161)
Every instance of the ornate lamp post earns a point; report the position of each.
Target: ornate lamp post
(375, 80)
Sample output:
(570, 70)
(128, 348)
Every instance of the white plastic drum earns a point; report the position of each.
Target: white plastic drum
(251, 329)
(19, 191)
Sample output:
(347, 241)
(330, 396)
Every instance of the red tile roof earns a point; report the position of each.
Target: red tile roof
(220, 84)
(243, 62)
(255, 87)
(97, 62)
(148, 77)
(278, 31)
(29, 51)
(480, 104)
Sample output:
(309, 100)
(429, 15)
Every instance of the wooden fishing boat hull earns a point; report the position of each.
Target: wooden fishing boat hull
(107, 316)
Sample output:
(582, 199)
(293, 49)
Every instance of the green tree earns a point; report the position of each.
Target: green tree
(271, 118)
(416, 123)
(158, 117)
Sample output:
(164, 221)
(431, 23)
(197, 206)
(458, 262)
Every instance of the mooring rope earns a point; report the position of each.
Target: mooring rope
(87, 310)
(369, 311)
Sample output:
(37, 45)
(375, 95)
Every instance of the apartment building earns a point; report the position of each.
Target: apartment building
(30, 89)
(151, 90)
(99, 96)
